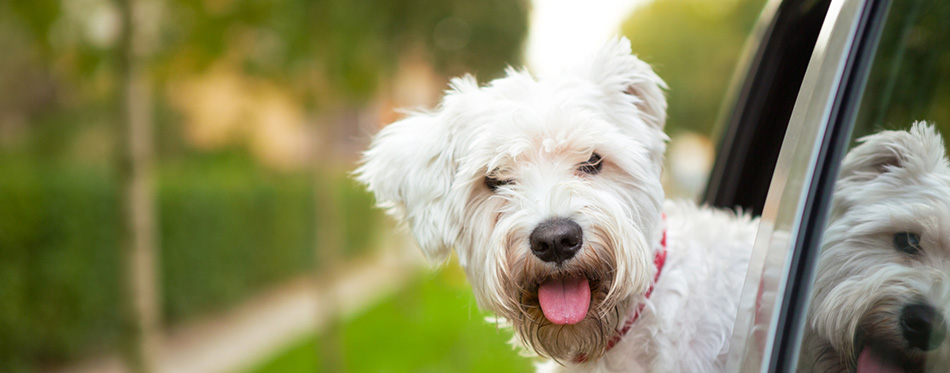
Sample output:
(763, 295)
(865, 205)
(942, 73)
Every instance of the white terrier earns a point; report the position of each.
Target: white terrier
(549, 191)
(881, 290)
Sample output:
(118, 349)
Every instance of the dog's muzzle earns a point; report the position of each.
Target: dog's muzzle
(564, 298)
(922, 326)
(920, 329)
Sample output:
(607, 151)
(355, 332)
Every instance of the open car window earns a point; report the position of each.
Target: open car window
(878, 298)
(877, 65)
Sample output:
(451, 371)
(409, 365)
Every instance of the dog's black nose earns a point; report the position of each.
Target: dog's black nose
(922, 326)
(556, 240)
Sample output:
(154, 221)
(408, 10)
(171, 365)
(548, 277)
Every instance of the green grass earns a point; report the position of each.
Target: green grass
(433, 325)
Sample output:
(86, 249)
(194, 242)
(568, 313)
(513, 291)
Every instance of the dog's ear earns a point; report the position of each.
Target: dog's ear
(410, 167)
(624, 77)
(914, 152)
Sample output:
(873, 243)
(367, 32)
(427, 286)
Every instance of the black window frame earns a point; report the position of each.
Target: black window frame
(755, 128)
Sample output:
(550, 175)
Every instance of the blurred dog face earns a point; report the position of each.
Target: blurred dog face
(882, 290)
(548, 189)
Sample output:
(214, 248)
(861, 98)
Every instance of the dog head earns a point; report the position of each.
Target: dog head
(548, 189)
(882, 291)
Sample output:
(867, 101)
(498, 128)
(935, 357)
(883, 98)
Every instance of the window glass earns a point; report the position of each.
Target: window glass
(881, 295)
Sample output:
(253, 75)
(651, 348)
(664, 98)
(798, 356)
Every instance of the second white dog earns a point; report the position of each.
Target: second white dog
(549, 191)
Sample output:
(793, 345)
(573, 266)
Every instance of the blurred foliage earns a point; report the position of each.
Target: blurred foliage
(360, 220)
(433, 325)
(910, 76)
(459, 36)
(332, 50)
(694, 45)
(328, 54)
(59, 266)
(228, 224)
(228, 228)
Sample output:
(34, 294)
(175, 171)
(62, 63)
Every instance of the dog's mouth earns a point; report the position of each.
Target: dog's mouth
(565, 300)
(567, 313)
(875, 355)
(875, 359)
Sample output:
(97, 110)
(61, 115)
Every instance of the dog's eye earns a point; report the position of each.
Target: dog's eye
(907, 243)
(592, 166)
(493, 183)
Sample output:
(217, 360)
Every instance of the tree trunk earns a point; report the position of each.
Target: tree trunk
(328, 244)
(137, 241)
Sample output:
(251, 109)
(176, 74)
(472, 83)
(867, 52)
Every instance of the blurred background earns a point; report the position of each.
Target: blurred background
(174, 174)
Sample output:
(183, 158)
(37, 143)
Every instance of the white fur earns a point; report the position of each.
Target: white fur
(429, 171)
(895, 181)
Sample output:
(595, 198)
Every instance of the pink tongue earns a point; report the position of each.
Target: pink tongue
(869, 362)
(565, 301)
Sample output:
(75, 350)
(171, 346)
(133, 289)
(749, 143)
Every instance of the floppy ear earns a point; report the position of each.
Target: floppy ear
(623, 77)
(916, 151)
(410, 167)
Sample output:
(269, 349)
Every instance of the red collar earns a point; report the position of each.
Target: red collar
(659, 260)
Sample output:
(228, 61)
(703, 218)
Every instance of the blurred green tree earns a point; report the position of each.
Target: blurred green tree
(338, 50)
(694, 45)
(329, 53)
(910, 77)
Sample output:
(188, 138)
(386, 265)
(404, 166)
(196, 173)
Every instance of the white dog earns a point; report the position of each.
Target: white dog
(883, 278)
(549, 191)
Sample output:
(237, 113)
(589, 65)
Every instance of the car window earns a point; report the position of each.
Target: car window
(881, 292)
(805, 146)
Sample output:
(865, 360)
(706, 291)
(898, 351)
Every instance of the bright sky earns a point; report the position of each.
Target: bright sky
(563, 30)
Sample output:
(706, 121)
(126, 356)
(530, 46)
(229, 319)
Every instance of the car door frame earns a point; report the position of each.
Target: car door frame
(817, 205)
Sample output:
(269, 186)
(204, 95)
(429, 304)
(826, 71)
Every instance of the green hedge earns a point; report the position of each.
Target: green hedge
(58, 264)
(226, 230)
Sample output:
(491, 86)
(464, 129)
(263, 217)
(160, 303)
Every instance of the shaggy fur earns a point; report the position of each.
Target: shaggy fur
(895, 184)
(484, 169)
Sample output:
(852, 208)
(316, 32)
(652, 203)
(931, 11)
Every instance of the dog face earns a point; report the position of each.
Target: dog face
(881, 291)
(548, 189)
